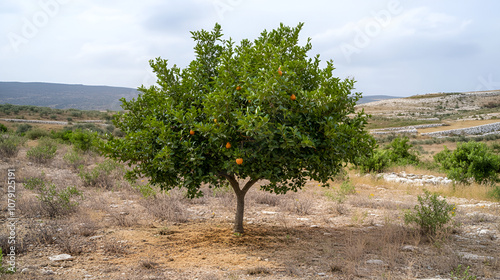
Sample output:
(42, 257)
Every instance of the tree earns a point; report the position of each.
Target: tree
(257, 111)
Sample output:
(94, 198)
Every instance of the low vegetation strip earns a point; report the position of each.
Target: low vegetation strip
(481, 129)
(34, 121)
(404, 129)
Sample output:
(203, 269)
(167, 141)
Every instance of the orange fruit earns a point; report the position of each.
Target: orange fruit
(238, 88)
(279, 72)
(239, 161)
(215, 120)
(293, 97)
(191, 132)
(228, 145)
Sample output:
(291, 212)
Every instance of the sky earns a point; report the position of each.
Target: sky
(390, 47)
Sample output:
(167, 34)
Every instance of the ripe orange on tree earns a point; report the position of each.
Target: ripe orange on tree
(293, 97)
(239, 161)
(191, 132)
(228, 145)
(238, 88)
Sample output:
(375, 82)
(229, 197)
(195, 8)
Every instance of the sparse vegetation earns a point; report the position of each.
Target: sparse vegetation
(430, 214)
(10, 145)
(44, 152)
(55, 202)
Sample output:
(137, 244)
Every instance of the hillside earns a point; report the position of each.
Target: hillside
(64, 96)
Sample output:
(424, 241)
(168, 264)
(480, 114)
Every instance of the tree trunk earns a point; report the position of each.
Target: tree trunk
(240, 210)
(240, 199)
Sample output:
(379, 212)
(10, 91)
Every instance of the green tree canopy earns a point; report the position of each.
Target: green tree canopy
(286, 118)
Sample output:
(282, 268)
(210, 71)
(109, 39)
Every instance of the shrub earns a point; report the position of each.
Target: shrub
(54, 202)
(64, 134)
(23, 128)
(3, 128)
(430, 214)
(10, 145)
(146, 190)
(36, 134)
(398, 152)
(470, 160)
(101, 175)
(74, 159)
(44, 152)
(166, 207)
(378, 162)
(83, 140)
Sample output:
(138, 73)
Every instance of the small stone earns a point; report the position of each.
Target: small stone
(377, 262)
(409, 248)
(96, 237)
(269, 212)
(25, 270)
(321, 274)
(47, 272)
(62, 257)
(303, 219)
(314, 226)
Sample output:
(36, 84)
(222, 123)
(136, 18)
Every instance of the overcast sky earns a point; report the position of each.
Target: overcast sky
(392, 47)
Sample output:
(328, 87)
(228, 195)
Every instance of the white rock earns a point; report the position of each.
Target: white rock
(62, 257)
(377, 262)
(269, 212)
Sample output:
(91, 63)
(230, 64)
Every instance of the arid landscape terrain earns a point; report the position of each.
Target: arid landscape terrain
(116, 229)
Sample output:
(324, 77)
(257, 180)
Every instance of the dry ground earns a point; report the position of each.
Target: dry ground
(316, 233)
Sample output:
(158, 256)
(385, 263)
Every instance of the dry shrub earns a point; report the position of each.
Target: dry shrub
(84, 225)
(71, 243)
(299, 205)
(124, 219)
(29, 206)
(166, 207)
(148, 263)
(261, 197)
(43, 233)
(112, 247)
(259, 270)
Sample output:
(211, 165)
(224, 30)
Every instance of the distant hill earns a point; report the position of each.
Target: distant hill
(372, 98)
(65, 96)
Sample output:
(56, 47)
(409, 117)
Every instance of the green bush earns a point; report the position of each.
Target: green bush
(23, 128)
(430, 214)
(36, 133)
(378, 162)
(10, 145)
(83, 140)
(101, 175)
(398, 152)
(471, 160)
(64, 134)
(55, 202)
(3, 128)
(44, 152)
